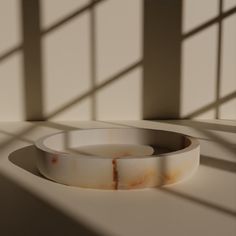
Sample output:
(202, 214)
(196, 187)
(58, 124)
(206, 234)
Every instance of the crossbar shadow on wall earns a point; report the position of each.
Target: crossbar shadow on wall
(159, 36)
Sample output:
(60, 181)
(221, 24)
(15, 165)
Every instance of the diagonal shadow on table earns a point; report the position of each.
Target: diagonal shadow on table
(39, 217)
(22, 213)
(217, 163)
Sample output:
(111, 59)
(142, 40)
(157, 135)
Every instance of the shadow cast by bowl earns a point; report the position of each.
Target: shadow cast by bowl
(25, 158)
(25, 213)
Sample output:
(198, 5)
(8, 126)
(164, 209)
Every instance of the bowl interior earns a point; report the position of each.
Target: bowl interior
(161, 141)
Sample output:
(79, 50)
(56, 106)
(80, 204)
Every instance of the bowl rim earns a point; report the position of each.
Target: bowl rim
(194, 144)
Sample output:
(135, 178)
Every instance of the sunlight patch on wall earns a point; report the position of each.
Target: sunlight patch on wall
(228, 75)
(228, 4)
(228, 110)
(11, 89)
(11, 83)
(198, 85)
(228, 82)
(55, 10)
(119, 36)
(66, 59)
(196, 13)
(209, 114)
(80, 111)
(122, 99)
(10, 25)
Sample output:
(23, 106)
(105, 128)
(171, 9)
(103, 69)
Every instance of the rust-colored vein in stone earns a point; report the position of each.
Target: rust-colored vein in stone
(54, 159)
(115, 173)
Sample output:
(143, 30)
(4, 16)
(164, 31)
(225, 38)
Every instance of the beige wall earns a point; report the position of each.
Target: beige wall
(73, 60)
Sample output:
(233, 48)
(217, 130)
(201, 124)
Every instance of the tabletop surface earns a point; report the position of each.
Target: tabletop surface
(205, 204)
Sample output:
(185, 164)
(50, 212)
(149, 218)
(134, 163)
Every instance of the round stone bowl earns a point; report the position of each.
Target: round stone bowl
(175, 158)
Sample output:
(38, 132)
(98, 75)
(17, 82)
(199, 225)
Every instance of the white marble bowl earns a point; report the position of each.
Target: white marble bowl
(176, 157)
